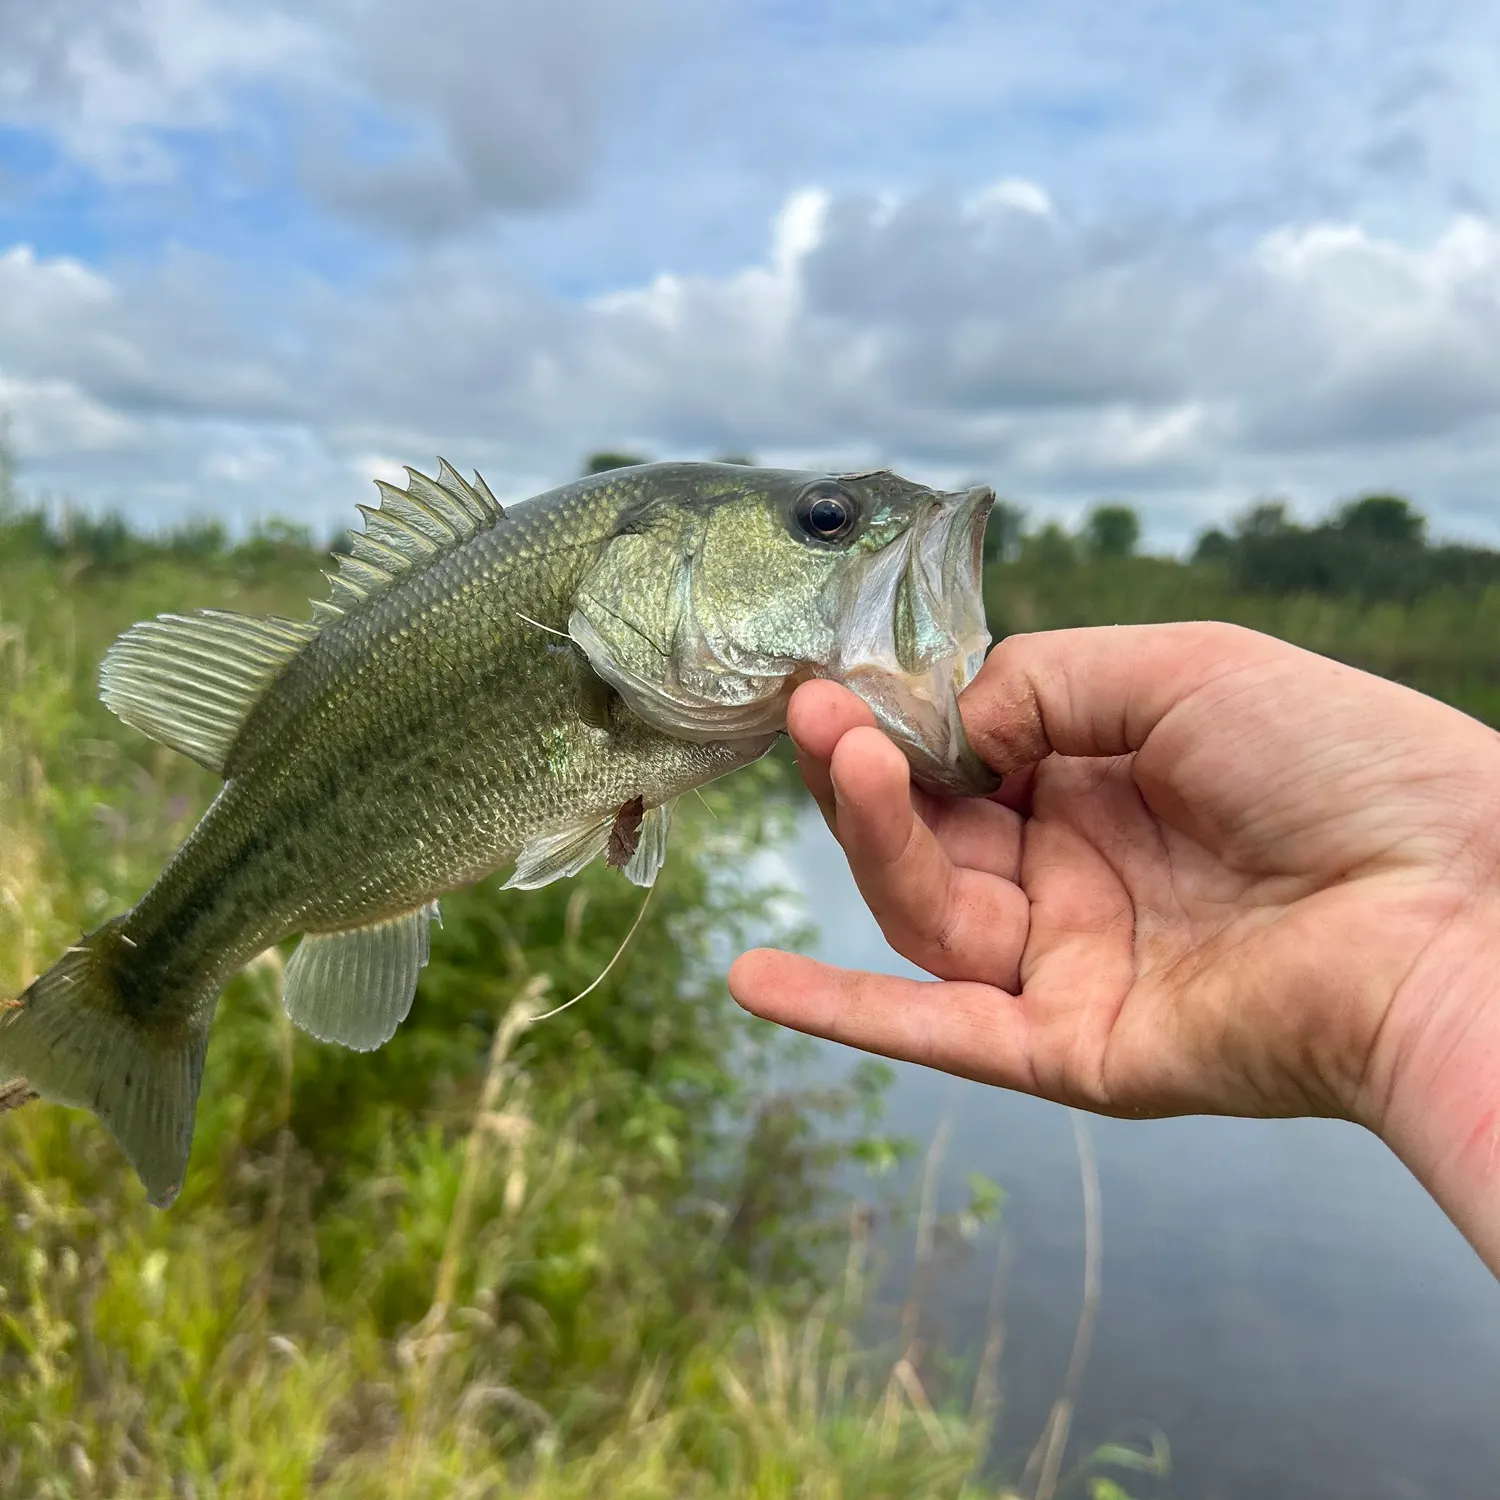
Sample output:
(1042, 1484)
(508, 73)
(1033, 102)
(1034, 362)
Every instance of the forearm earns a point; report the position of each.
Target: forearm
(1440, 1078)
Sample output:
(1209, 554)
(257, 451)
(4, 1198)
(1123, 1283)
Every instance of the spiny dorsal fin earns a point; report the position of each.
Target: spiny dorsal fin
(190, 681)
(408, 528)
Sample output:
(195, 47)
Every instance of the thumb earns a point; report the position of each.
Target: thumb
(1096, 692)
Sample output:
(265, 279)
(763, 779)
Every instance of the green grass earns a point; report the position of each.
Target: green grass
(598, 1255)
(595, 1255)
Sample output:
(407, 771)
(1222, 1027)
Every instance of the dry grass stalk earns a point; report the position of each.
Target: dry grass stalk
(521, 1014)
(984, 1404)
(1046, 1458)
(429, 1338)
(911, 1385)
(926, 1227)
(14, 1094)
(272, 967)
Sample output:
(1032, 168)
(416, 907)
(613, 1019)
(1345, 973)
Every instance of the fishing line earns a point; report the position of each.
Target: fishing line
(604, 972)
(639, 916)
(562, 634)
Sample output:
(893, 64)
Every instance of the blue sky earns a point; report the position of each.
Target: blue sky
(1188, 254)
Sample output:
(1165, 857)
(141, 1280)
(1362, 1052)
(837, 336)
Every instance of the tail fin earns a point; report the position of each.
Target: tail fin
(74, 1042)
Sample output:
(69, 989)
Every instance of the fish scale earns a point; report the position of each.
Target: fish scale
(483, 687)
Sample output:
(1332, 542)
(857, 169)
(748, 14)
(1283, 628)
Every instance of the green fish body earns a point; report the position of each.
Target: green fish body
(484, 687)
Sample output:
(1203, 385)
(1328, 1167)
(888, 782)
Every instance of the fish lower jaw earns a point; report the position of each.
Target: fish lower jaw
(920, 714)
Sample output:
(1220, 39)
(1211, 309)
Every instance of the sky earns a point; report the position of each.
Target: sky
(1184, 253)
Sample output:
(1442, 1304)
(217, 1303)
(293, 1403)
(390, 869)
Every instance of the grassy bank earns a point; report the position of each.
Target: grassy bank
(597, 1254)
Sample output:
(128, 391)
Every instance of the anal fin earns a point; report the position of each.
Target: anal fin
(355, 987)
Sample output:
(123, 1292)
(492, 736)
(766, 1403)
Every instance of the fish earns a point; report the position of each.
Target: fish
(529, 685)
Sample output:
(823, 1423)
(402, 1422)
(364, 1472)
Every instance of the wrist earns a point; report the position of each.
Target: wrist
(1435, 1073)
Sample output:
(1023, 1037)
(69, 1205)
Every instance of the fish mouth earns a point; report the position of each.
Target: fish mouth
(915, 636)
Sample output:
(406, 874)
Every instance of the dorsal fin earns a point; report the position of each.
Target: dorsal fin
(190, 681)
(408, 528)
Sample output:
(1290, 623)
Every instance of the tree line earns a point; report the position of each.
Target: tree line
(1375, 547)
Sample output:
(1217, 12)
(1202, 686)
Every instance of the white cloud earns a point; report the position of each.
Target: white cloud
(1120, 441)
(1402, 343)
(55, 419)
(502, 101)
(798, 229)
(37, 297)
(982, 338)
(1008, 193)
(105, 77)
(418, 118)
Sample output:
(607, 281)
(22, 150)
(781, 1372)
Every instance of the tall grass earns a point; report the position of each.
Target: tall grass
(595, 1255)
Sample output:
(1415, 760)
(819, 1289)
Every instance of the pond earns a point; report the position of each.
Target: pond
(1280, 1298)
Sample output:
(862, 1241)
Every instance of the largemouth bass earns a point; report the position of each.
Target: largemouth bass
(485, 686)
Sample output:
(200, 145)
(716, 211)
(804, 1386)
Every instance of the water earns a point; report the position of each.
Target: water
(1280, 1298)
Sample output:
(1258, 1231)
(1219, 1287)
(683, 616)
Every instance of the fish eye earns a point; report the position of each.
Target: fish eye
(825, 512)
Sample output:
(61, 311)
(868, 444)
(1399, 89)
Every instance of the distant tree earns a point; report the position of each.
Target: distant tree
(1112, 530)
(273, 546)
(1372, 547)
(197, 540)
(1050, 549)
(105, 543)
(279, 532)
(1214, 546)
(7, 471)
(1265, 518)
(1002, 536)
(1269, 553)
(605, 460)
(1389, 520)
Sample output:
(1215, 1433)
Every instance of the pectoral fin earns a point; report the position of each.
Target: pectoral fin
(564, 851)
(634, 839)
(356, 987)
(651, 846)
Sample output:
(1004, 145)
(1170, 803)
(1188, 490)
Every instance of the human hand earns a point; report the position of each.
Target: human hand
(1224, 876)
